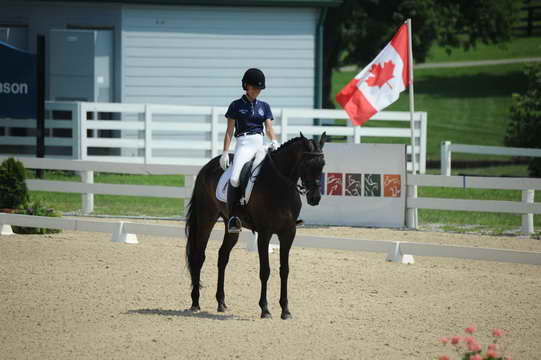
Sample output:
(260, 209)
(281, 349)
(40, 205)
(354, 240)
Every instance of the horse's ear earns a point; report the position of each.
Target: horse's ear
(302, 136)
(322, 140)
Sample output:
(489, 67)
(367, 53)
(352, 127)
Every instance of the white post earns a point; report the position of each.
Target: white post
(148, 134)
(411, 213)
(527, 219)
(284, 126)
(251, 244)
(422, 147)
(445, 166)
(82, 132)
(214, 145)
(87, 199)
(357, 135)
(76, 120)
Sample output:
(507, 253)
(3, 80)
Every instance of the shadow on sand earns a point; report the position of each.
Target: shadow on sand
(185, 313)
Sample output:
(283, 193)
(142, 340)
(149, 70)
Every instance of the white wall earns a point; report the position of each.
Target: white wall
(197, 55)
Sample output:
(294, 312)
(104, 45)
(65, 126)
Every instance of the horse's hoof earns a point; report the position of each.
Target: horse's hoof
(195, 308)
(266, 315)
(222, 307)
(286, 315)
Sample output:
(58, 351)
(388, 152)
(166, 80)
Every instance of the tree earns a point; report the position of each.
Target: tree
(524, 129)
(357, 31)
(13, 190)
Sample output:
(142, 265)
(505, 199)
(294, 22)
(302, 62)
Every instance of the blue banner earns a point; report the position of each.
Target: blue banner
(17, 83)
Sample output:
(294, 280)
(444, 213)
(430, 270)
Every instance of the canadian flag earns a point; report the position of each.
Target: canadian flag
(380, 83)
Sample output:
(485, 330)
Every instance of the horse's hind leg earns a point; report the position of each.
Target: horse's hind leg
(263, 240)
(225, 250)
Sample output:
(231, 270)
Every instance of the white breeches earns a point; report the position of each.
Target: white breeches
(245, 150)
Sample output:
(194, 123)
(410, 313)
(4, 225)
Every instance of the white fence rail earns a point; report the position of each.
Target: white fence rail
(126, 232)
(527, 207)
(447, 148)
(87, 187)
(141, 118)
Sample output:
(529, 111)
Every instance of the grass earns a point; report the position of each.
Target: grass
(116, 204)
(520, 47)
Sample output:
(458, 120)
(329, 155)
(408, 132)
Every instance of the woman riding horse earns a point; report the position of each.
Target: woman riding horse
(245, 117)
(276, 191)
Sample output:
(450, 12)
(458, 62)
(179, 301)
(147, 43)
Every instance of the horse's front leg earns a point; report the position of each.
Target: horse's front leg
(225, 250)
(263, 240)
(286, 240)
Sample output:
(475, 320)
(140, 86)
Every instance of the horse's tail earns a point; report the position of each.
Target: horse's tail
(191, 229)
(195, 219)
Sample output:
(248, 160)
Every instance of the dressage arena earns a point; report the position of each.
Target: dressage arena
(77, 295)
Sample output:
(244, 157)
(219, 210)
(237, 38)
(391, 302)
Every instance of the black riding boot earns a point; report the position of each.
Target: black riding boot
(233, 198)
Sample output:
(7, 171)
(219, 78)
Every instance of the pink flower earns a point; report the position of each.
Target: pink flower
(444, 340)
(473, 346)
(491, 354)
(493, 347)
(476, 357)
(470, 329)
(455, 340)
(443, 357)
(469, 339)
(497, 332)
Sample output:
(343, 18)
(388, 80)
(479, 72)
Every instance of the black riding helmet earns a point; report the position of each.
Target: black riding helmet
(254, 77)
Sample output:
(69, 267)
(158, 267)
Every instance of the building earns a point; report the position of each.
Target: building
(176, 52)
(169, 52)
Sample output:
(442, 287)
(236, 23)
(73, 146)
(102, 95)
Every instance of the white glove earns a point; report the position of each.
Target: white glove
(274, 145)
(224, 160)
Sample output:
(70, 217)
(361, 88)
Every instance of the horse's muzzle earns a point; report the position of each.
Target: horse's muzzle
(313, 197)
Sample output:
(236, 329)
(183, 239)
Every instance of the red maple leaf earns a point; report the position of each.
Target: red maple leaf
(382, 74)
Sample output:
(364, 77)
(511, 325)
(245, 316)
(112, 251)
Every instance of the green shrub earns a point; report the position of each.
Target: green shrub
(524, 129)
(13, 190)
(36, 208)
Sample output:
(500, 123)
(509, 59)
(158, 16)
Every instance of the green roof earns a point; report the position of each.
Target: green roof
(273, 3)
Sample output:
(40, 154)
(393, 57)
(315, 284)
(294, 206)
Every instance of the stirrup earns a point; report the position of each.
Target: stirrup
(300, 223)
(233, 225)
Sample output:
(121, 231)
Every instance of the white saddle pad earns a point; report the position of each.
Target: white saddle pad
(223, 183)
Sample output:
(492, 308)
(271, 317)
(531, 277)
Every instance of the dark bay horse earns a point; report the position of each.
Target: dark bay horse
(273, 208)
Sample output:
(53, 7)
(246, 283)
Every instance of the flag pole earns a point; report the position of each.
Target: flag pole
(412, 105)
(412, 213)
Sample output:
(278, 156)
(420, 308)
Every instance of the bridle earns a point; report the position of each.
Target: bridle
(305, 186)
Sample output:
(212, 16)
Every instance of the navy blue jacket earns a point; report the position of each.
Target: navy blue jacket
(249, 116)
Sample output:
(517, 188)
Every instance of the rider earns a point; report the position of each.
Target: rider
(245, 119)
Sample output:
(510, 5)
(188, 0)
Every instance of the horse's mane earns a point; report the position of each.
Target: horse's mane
(285, 145)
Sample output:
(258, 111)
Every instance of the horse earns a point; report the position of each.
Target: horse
(273, 208)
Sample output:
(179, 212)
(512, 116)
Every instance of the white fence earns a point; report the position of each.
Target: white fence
(527, 206)
(140, 118)
(124, 231)
(447, 148)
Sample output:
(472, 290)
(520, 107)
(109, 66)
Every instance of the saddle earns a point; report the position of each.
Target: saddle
(248, 175)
